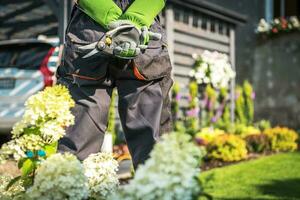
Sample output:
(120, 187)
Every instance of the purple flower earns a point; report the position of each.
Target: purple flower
(205, 101)
(210, 104)
(178, 97)
(214, 119)
(193, 112)
(200, 141)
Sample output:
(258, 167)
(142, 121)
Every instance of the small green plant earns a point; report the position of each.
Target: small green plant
(227, 147)
(257, 143)
(177, 124)
(208, 134)
(192, 119)
(244, 104)
(282, 139)
(244, 130)
(249, 96)
(111, 128)
(263, 124)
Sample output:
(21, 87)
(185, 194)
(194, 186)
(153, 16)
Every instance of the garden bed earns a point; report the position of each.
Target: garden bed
(211, 164)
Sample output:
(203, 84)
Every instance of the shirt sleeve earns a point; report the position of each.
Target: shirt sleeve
(143, 12)
(102, 11)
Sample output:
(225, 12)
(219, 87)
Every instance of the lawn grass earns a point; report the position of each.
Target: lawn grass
(271, 177)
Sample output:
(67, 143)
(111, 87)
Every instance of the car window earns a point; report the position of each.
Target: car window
(23, 56)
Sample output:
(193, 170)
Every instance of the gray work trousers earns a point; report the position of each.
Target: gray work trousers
(143, 86)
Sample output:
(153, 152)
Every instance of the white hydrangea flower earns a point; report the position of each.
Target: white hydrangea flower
(46, 116)
(169, 174)
(214, 69)
(12, 191)
(18, 147)
(61, 176)
(52, 131)
(101, 171)
(53, 103)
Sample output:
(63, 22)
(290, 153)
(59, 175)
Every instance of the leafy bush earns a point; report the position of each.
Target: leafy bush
(208, 134)
(282, 138)
(227, 147)
(244, 109)
(192, 114)
(257, 143)
(263, 124)
(244, 130)
(61, 176)
(170, 173)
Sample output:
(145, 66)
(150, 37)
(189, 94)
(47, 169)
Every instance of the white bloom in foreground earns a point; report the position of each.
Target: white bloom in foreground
(61, 176)
(170, 173)
(52, 104)
(12, 191)
(101, 171)
(52, 131)
(11, 149)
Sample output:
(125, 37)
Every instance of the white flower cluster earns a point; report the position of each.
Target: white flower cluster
(263, 26)
(170, 173)
(12, 191)
(49, 110)
(276, 25)
(47, 113)
(61, 176)
(212, 68)
(101, 171)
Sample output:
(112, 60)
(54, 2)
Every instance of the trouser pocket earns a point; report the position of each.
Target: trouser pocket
(155, 62)
(82, 30)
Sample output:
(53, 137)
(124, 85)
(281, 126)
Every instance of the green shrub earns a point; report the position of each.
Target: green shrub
(263, 124)
(282, 139)
(244, 130)
(208, 134)
(227, 147)
(249, 96)
(257, 143)
(192, 114)
(244, 104)
(175, 108)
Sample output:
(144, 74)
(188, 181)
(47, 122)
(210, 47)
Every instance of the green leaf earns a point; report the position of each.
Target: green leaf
(21, 161)
(32, 130)
(27, 167)
(27, 181)
(12, 181)
(50, 149)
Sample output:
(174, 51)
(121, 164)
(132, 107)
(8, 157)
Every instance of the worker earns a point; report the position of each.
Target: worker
(139, 70)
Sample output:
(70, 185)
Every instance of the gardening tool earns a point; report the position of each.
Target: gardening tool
(114, 38)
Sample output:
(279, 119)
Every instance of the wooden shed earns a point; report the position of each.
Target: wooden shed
(193, 26)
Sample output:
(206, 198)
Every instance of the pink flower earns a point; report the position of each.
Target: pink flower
(253, 95)
(193, 112)
(178, 97)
